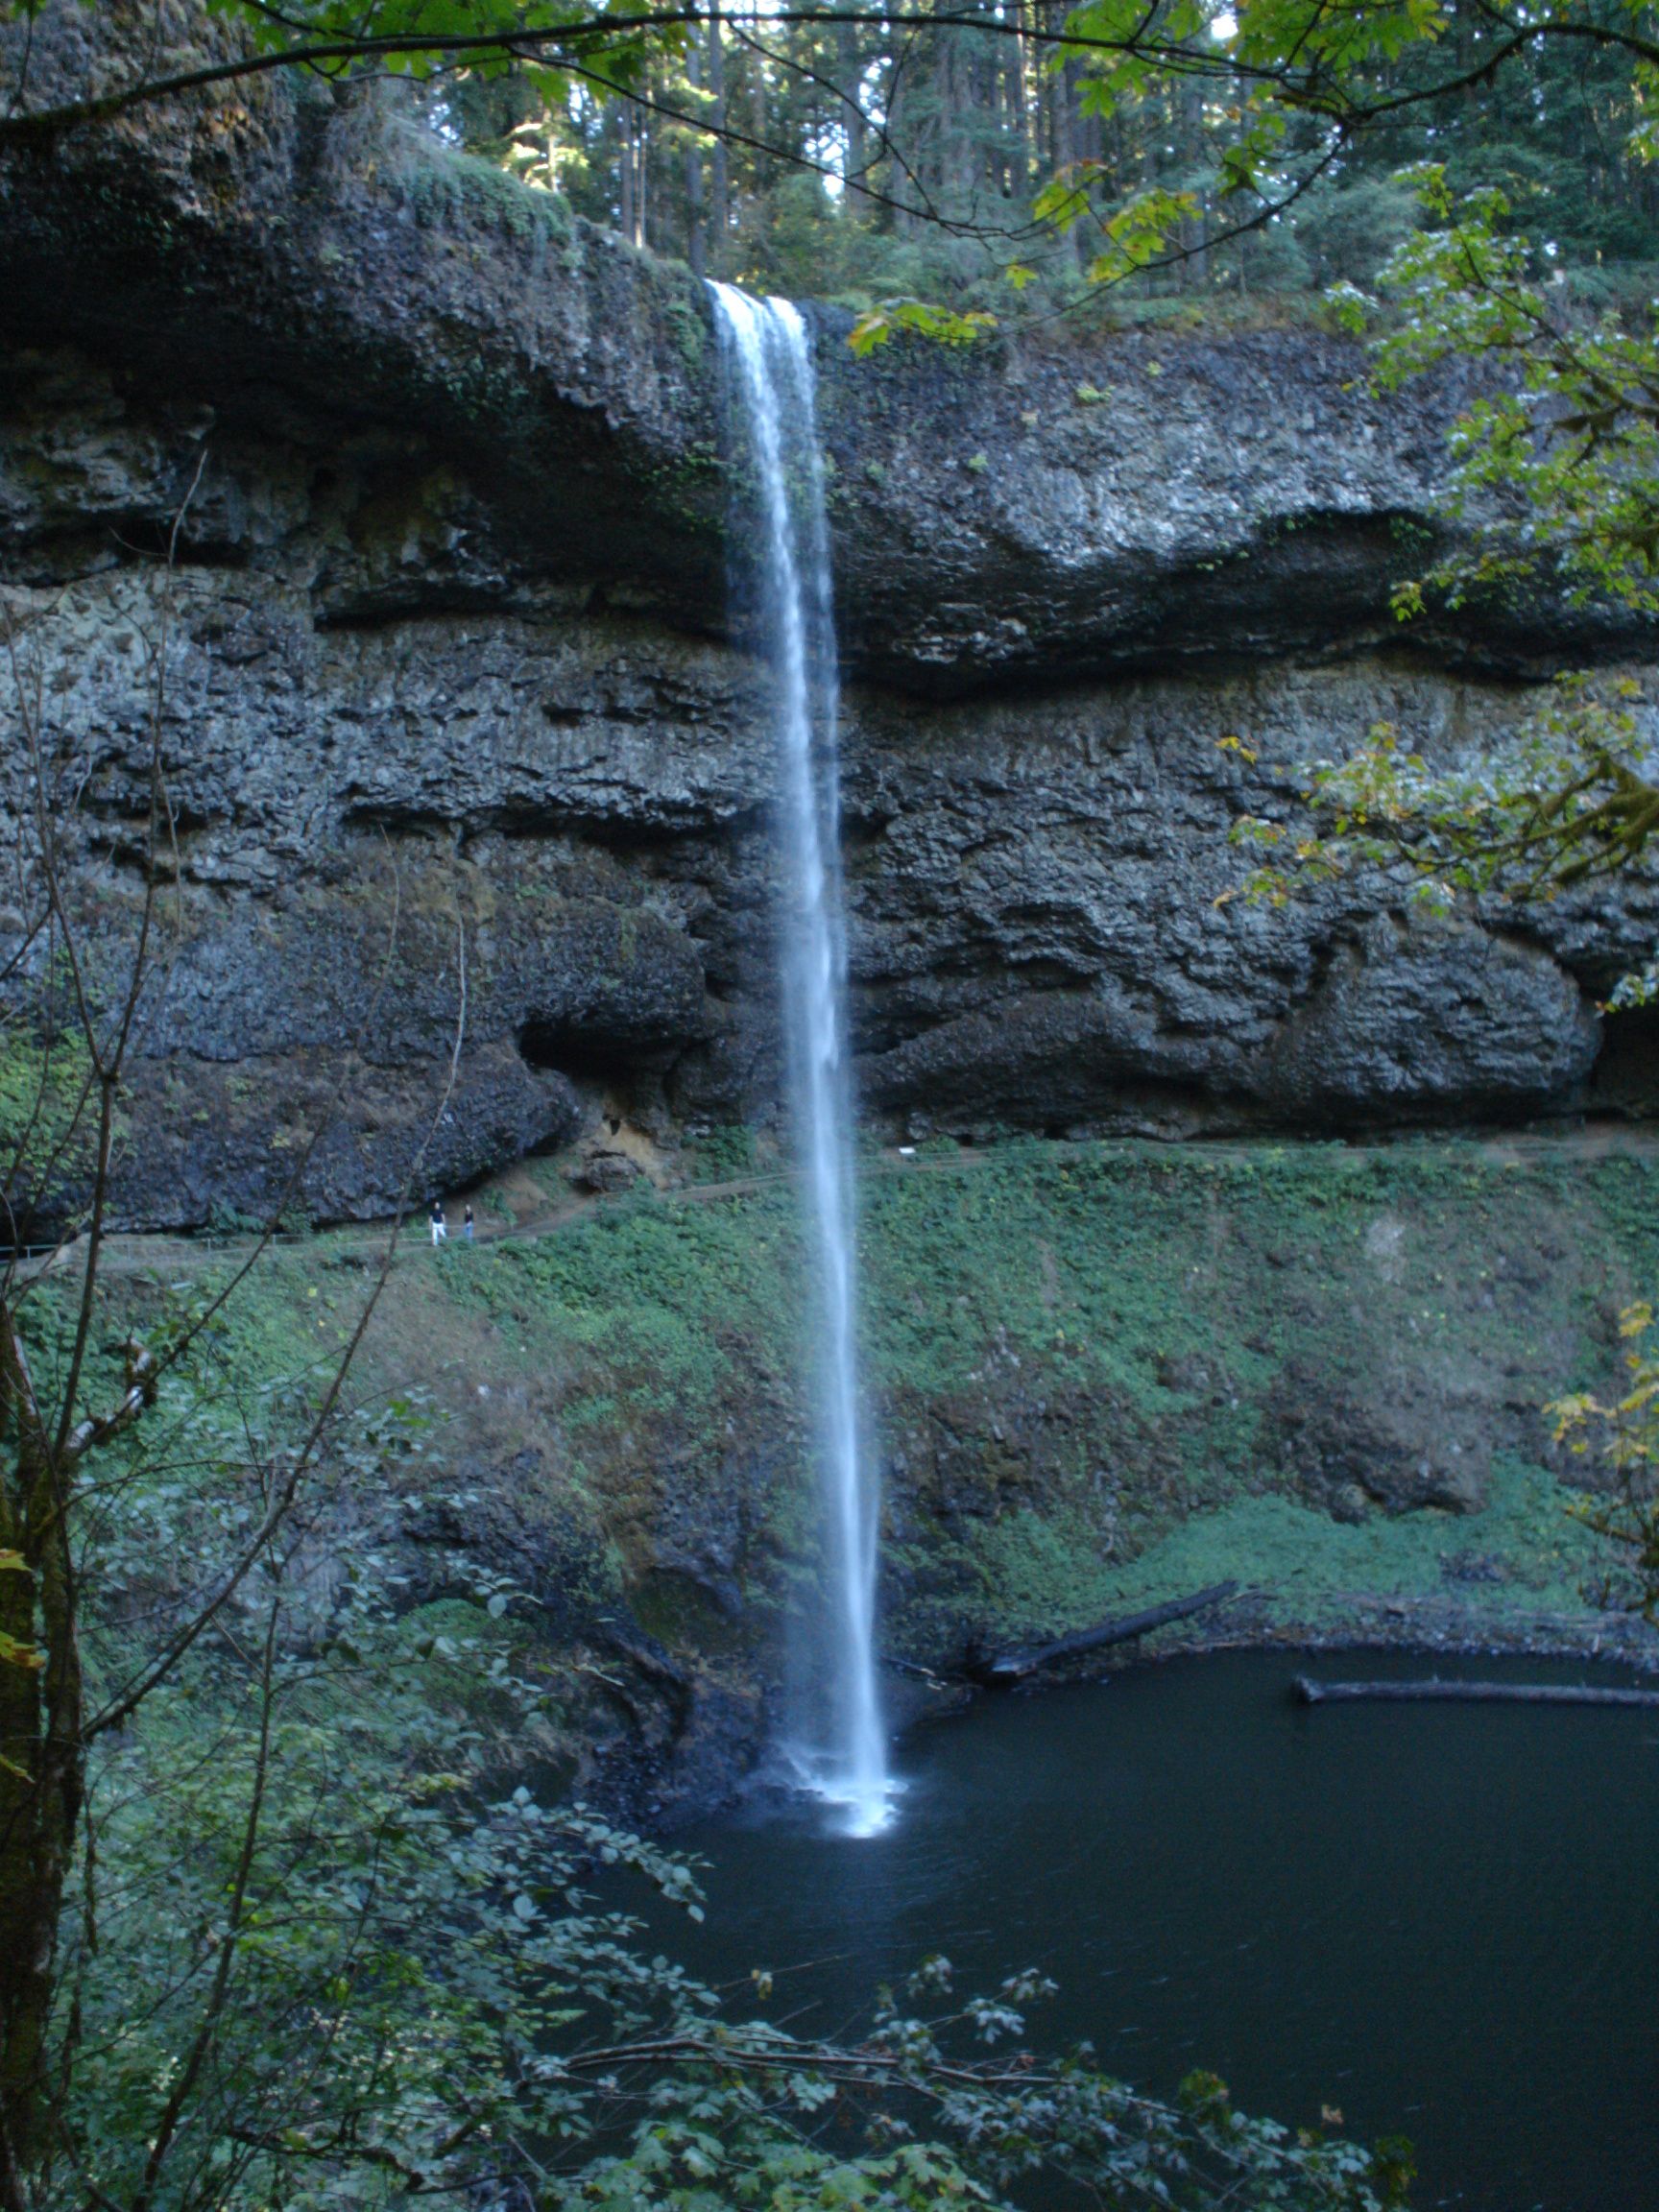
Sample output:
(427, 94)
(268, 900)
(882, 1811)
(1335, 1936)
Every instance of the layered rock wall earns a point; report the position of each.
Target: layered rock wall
(470, 791)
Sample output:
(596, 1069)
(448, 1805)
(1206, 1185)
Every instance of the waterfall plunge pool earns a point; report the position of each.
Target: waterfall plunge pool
(1442, 1921)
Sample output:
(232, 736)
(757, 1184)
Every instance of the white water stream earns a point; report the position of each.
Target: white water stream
(768, 358)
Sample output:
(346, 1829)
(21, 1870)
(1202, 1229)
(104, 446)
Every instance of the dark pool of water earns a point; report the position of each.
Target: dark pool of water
(1442, 1919)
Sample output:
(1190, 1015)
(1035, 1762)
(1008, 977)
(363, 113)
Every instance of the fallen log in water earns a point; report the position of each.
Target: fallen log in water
(1312, 1693)
(1014, 1665)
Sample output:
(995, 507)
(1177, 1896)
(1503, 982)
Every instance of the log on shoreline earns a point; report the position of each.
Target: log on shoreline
(1312, 1693)
(1014, 1665)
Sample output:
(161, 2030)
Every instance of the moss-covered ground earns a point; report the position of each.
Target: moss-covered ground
(1095, 1371)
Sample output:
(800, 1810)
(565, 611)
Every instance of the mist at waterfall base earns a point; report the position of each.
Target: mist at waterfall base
(783, 593)
(1439, 1920)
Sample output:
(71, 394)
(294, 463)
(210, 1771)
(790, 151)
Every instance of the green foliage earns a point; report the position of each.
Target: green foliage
(1302, 99)
(369, 1964)
(226, 1220)
(1554, 480)
(368, 1946)
(1346, 234)
(1153, 1300)
(918, 318)
(928, 167)
(1562, 804)
(654, 1302)
(1567, 443)
(48, 1115)
(1621, 1435)
(423, 1996)
(1567, 799)
(724, 1154)
(1528, 1552)
(443, 185)
(1259, 149)
(488, 37)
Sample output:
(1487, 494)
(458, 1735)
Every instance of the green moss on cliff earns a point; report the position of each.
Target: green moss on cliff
(1522, 1558)
(446, 189)
(1092, 1363)
(663, 1311)
(1117, 1371)
(48, 1113)
(1105, 1373)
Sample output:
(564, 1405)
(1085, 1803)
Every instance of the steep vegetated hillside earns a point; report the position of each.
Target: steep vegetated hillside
(1106, 1374)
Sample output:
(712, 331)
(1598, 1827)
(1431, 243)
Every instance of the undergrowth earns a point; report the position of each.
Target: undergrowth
(1079, 1356)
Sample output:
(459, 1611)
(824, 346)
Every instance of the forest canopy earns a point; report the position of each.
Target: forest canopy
(965, 153)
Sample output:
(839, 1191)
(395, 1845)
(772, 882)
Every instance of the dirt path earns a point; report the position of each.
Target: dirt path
(163, 1254)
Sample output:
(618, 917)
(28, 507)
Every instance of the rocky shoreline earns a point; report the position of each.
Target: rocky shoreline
(668, 1797)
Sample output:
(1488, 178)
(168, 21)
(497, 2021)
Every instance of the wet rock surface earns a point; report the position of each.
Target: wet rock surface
(527, 411)
(529, 855)
(1400, 1449)
(471, 802)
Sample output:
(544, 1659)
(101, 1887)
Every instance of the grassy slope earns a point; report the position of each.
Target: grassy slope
(1082, 1356)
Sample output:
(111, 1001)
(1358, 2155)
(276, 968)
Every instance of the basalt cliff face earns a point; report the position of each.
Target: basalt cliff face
(456, 744)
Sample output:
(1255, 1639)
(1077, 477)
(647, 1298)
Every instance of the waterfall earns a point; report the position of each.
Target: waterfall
(768, 363)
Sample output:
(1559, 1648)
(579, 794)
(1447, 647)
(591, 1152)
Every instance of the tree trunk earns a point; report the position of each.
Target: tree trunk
(41, 1764)
(1437, 1692)
(625, 171)
(720, 188)
(1016, 1666)
(696, 241)
(760, 122)
(851, 74)
(1195, 266)
(641, 176)
(1030, 93)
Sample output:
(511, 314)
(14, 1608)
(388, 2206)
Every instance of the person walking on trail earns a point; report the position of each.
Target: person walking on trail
(440, 1227)
(467, 1224)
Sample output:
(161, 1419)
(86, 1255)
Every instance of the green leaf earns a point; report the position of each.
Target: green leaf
(878, 325)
